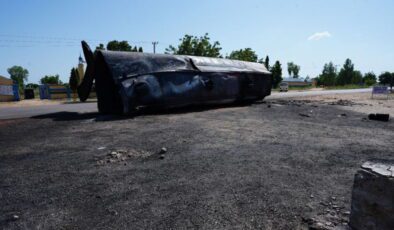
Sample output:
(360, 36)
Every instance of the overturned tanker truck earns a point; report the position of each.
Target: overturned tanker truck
(128, 81)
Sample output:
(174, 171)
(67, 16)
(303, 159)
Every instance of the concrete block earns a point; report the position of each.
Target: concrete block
(373, 197)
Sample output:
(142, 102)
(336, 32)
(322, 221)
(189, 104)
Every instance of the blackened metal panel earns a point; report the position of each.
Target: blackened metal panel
(128, 80)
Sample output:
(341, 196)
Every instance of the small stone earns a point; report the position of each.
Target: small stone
(163, 150)
(268, 106)
(113, 212)
(346, 213)
(14, 217)
(312, 196)
(333, 198)
(161, 156)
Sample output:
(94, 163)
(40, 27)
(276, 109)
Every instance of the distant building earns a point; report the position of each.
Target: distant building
(297, 81)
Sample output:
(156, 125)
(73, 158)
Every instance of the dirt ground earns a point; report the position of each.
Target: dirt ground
(278, 164)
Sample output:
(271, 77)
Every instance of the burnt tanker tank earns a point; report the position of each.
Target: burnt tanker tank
(127, 81)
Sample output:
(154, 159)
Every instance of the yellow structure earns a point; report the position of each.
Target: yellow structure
(81, 72)
(6, 91)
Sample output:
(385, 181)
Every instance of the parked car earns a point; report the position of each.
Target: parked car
(283, 87)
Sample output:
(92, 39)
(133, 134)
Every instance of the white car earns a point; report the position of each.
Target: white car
(283, 87)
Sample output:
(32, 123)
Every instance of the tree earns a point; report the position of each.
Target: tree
(246, 54)
(328, 75)
(32, 86)
(115, 45)
(100, 47)
(276, 71)
(357, 77)
(293, 69)
(387, 78)
(369, 79)
(346, 73)
(18, 74)
(290, 66)
(267, 62)
(74, 79)
(74, 82)
(51, 79)
(119, 46)
(197, 46)
(296, 70)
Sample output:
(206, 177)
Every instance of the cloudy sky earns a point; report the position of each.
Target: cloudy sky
(43, 36)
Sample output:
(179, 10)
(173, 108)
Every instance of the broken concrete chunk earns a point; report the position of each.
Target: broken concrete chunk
(373, 196)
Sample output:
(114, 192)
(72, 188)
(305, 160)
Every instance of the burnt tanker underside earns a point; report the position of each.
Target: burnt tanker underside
(126, 81)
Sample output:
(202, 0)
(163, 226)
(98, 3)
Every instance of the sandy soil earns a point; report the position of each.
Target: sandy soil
(33, 102)
(360, 102)
(38, 102)
(281, 164)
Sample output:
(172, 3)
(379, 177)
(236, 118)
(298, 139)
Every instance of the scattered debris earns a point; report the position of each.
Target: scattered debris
(304, 115)
(332, 216)
(14, 217)
(101, 148)
(379, 116)
(122, 155)
(342, 103)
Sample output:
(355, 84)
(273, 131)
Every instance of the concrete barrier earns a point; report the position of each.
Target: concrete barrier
(373, 197)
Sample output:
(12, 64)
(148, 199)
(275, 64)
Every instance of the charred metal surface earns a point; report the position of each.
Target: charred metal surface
(126, 81)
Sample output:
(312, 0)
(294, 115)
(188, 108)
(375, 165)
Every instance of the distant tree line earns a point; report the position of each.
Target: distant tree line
(203, 46)
(349, 75)
(120, 46)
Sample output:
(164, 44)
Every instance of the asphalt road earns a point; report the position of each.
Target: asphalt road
(24, 112)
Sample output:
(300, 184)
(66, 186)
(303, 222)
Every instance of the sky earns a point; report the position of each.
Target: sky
(44, 36)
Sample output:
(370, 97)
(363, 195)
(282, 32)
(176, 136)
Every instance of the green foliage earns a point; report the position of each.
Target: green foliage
(197, 46)
(51, 79)
(276, 71)
(100, 47)
(267, 62)
(119, 46)
(328, 75)
(357, 77)
(32, 86)
(74, 79)
(369, 79)
(387, 78)
(293, 69)
(346, 73)
(18, 74)
(246, 54)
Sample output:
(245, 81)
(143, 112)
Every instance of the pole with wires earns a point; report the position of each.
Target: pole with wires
(154, 46)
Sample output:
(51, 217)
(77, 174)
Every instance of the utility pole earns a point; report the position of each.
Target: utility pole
(154, 46)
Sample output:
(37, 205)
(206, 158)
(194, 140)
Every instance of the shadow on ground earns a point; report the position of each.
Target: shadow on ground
(72, 116)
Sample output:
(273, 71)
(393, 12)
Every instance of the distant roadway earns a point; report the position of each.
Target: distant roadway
(29, 111)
